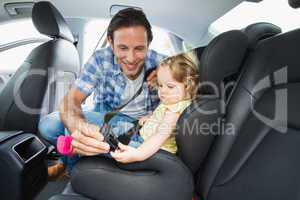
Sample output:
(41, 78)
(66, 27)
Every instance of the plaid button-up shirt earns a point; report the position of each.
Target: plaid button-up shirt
(103, 76)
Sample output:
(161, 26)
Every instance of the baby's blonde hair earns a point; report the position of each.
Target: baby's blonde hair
(184, 69)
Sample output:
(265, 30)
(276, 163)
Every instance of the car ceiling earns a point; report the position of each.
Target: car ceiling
(189, 19)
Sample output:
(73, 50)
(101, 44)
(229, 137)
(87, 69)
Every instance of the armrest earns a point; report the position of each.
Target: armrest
(162, 176)
(21, 165)
(6, 135)
(67, 197)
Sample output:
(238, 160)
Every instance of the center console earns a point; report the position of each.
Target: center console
(23, 171)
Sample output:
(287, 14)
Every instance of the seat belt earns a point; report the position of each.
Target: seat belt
(106, 130)
(108, 116)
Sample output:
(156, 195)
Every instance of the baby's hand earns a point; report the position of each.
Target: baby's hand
(143, 119)
(126, 154)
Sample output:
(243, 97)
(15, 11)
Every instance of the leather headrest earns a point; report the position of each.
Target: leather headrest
(275, 59)
(260, 31)
(221, 58)
(49, 21)
(294, 3)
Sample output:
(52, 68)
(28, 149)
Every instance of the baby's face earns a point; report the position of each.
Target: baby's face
(170, 91)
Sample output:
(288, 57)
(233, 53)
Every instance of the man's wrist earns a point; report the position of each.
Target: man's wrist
(77, 124)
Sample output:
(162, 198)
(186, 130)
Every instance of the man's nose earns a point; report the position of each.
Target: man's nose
(130, 57)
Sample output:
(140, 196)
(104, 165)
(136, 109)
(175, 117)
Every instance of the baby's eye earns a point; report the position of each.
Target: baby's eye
(170, 86)
(159, 85)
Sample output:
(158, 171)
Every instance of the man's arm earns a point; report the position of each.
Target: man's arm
(70, 110)
(87, 140)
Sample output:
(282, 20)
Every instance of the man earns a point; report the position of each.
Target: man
(115, 74)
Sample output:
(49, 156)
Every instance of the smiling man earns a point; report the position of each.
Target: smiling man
(115, 75)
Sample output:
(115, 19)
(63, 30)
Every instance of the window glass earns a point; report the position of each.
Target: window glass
(11, 59)
(277, 12)
(163, 42)
(18, 30)
(94, 31)
(15, 52)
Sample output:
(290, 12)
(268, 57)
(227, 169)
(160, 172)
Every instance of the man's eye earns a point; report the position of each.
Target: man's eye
(123, 48)
(140, 48)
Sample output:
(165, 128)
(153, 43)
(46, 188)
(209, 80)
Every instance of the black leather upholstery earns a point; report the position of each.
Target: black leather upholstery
(294, 3)
(220, 59)
(260, 160)
(193, 141)
(48, 20)
(163, 176)
(259, 31)
(227, 78)
(21, 99)
(68, 193)
(67, 197)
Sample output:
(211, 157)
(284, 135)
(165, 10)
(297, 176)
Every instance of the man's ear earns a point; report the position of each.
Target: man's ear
(148, 44)
(110, 41)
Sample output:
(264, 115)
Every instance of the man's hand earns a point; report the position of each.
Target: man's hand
(88, 141)
(126, 154)
(152, 79)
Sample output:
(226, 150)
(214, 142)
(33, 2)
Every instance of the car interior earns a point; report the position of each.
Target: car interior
(237, 140)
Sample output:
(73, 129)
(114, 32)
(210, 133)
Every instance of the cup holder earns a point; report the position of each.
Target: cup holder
(28, 148)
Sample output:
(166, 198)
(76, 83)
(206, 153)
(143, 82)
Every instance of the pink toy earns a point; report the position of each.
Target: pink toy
(64, 146)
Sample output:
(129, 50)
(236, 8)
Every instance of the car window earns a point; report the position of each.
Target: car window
(164, 41)
(18, 39)
(277, 12)
(94, 37)
(18, 30)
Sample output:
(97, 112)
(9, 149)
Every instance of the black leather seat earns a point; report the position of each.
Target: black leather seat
(21, 99)
(260, 31)
(255, 33)
(260, 159)
(294, 3)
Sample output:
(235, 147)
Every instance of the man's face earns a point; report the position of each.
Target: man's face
(130, 47)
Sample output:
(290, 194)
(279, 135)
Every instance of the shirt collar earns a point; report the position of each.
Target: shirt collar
(117, 68)
(179, 106)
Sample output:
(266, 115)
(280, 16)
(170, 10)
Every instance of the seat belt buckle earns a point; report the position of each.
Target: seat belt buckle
(109, 137)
